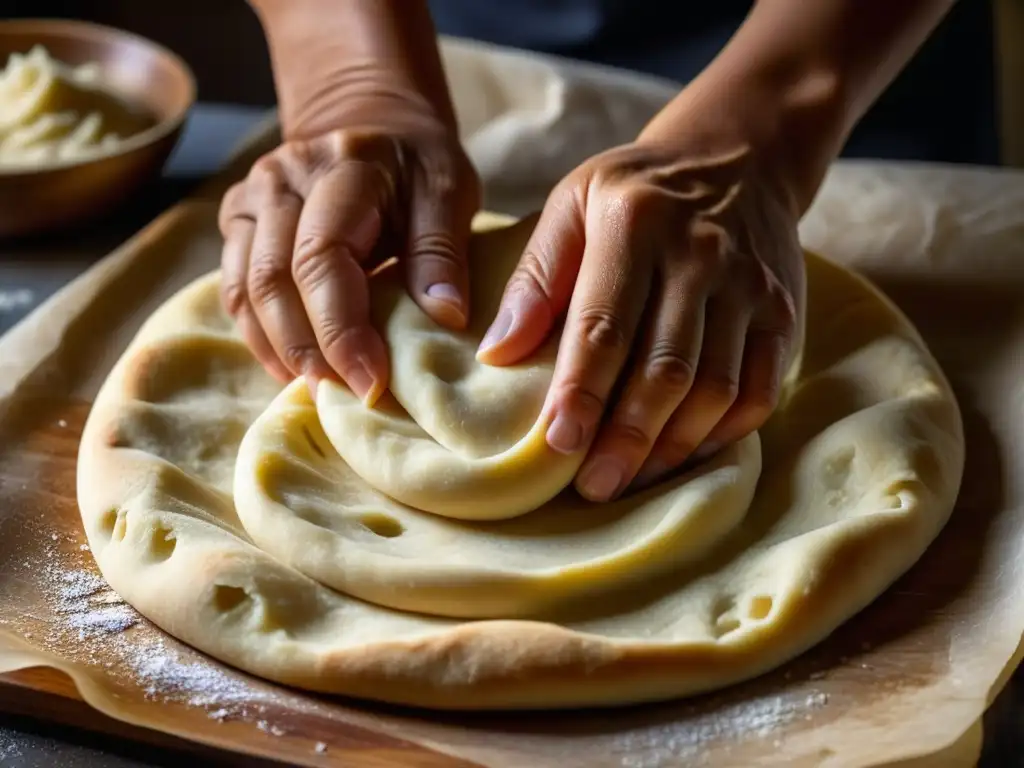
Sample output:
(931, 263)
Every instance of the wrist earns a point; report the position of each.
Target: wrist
(351, 61)
(794, 80)
(790, 130)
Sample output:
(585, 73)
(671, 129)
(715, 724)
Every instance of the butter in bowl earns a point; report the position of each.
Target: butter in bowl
(88, 114)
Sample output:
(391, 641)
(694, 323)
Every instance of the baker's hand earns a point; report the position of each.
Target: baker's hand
(681, 277)
(314, 215)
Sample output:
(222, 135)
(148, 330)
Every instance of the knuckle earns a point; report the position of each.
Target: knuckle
(266, 181)
(312, 260)
(333, 335)
(234, 297)
(350, 144)
(300, 357)
(634, 205)
(296, 154)
(668, 368)
(267, 275)
(604, 176)
(266, 170)
(601, 330)
(577, 399)
(567, 192)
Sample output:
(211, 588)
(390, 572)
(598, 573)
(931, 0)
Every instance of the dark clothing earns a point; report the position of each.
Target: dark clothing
(941, 108)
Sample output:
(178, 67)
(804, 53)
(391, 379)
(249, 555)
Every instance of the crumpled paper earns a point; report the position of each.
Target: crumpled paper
(904, 683)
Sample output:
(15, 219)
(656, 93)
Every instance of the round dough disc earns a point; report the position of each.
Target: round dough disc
(693, 585)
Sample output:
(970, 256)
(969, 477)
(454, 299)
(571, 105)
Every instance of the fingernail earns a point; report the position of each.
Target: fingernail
(565, 434)
(449, 296)
(362, 383)
(445, 292)
(499, 330)
(601, 480)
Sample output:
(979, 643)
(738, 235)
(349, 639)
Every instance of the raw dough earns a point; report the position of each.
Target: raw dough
(468, 443)
(51, 112)
(680, 590)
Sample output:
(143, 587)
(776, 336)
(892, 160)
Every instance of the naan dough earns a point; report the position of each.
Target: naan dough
(464, 439)
(690, 586)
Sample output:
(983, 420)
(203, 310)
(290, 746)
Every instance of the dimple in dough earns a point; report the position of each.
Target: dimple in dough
(288, 538)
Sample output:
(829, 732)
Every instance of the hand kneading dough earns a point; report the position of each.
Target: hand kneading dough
(506, 593)
(469, 443)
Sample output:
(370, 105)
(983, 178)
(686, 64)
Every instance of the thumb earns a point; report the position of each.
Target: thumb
(437, 269)
(540, 288)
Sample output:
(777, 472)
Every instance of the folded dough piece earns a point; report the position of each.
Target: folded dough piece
(465, 440)
(861, 465)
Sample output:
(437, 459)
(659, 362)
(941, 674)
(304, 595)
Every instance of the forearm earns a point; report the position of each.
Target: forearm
(796, 78)
(331, 55)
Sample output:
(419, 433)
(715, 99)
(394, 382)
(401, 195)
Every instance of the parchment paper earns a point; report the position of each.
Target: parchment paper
(902, 684)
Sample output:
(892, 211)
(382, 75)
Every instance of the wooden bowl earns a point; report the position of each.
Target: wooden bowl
(142, 73)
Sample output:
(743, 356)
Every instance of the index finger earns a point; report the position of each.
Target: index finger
(339, 225)
(602, 319)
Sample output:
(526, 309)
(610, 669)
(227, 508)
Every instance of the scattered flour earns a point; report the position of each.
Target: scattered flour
(11, 301)
(93, 625)
(686, 739)
(9, 747)
(266, 727)
(85, 603)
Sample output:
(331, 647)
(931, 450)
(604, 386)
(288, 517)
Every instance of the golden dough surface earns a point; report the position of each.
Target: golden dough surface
(426, 552)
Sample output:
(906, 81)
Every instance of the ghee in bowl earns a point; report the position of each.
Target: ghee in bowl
(53, 113)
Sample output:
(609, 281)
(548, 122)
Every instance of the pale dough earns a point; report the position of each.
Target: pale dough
(51, 113)
(696, 584)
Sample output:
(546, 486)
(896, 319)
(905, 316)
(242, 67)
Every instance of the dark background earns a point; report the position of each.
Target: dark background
(942, 108)
(220, 39)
